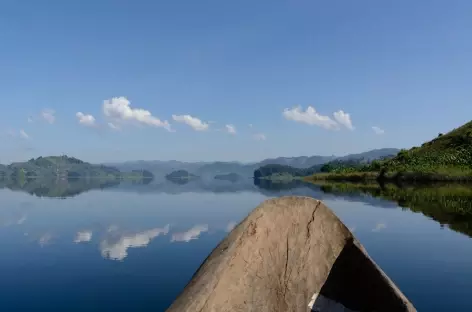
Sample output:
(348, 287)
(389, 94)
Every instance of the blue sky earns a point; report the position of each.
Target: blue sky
(402, 66)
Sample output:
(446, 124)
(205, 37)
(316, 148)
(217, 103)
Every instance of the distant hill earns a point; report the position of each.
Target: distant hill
(65, 167)
(297, 162)
(3, 171)
(181, 175)
(233, 177)
(348, 161)
(273, 170)
(219, 167)
(371, 155)
(158, 167)
(58, 166)
(210, 169)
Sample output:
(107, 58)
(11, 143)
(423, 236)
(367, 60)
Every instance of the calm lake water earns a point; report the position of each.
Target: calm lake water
(134, 247)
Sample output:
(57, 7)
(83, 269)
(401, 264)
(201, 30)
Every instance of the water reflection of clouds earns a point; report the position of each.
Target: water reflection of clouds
(189, 235)
(45, 239)
(117, 248)
(22, 219)
(112, 228)
(379, 227)
(16, 221)
(83, 236)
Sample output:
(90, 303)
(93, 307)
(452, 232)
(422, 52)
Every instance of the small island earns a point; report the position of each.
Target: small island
(181, 175)
(233, 177)
(64, 176)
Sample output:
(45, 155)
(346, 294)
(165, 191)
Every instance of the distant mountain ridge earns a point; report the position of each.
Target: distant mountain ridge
(297, 162)
(210, 169)
(371, 155)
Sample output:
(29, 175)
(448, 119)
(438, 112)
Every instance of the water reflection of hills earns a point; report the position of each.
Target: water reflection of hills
(448, 204)
(61, 188)
(191, 186)
(70, 188)
(300, 188)
(265, 187)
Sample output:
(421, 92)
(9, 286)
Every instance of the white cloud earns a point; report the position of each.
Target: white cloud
(24, 135)
(119, 109)
(193, 122)
(377, 130)
(259, 137)
(310, 117)
(85, 120)
(30, 119)
(113, 126)
(83, 236)
(48, 115)
(14, 134)
(189, 235)
(231, 129)
(379, 227)
(344, 119)
(118, 250)
(230, 226)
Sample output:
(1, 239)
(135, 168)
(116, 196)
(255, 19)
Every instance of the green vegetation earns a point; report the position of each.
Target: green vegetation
(58, 166)
(351, 176)
(64, 167)
(233, 177)
(448, 157)
(278, 185)
(347, 167)
(144, 176)
(449, 204)
(181, 175)
(271, 171)
(63, 176)
(449, 154)
(352, 169)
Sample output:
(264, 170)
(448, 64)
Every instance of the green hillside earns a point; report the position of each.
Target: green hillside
(61, 166)
(449, 154)
(446, 157)
(65, 167)
(181, 175)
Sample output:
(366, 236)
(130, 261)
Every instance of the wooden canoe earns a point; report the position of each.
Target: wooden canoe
(290, 254)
